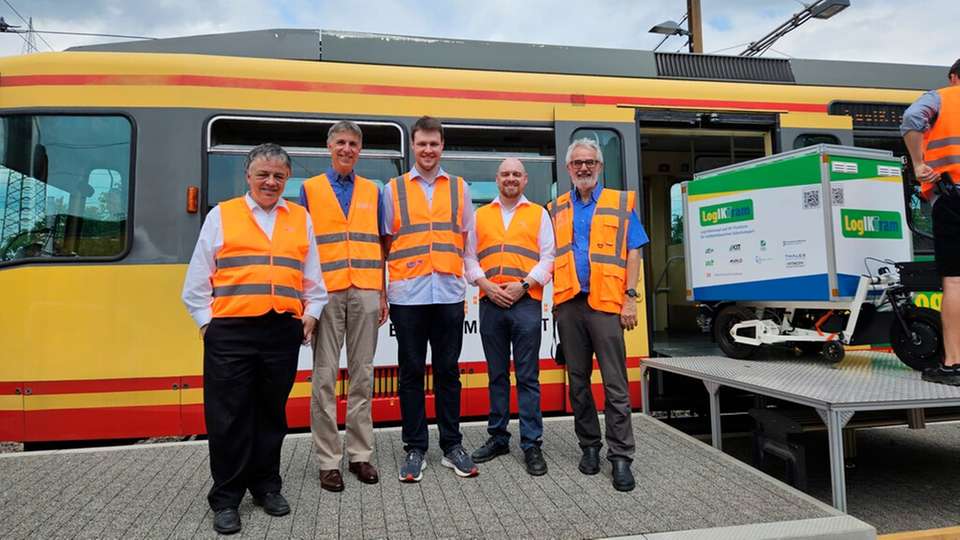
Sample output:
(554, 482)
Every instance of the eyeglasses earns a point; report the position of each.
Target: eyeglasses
(589, 163)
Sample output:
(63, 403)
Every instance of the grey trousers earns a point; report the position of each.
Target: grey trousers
(350, 316)
(583, 333)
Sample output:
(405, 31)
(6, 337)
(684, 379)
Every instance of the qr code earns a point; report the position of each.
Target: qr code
(811, 198)
(837, 194)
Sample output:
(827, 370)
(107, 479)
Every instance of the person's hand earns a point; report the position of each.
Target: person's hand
(203, 330)
(309, 324)
(513, 289)
(628, 314)
(384, 309)
(924, 173)
(496, 295)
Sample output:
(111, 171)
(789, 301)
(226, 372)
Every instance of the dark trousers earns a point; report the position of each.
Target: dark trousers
(440, 325)
(500, 328)
(249, 364)
(583, 333)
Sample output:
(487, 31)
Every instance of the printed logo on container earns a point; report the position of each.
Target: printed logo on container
(731, 212)
(870, 224)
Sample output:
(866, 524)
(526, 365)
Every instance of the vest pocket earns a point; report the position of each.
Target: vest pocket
(563, 275)
(612, 287)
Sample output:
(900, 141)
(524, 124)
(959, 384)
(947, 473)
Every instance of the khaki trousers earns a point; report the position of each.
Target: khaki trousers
(351, 315)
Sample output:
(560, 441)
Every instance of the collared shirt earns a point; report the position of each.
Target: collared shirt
(197, 288)
(582, 218)
(437, 288)
(542, 272)
(921, 114)
(342, 186)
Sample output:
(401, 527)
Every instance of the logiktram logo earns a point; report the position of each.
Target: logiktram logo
(730, 212)
(870, 224)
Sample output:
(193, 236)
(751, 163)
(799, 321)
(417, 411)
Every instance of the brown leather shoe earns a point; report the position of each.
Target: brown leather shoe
(365, 472)
(331, 480)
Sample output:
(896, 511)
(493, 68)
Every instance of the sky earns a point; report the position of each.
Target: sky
(897, 31)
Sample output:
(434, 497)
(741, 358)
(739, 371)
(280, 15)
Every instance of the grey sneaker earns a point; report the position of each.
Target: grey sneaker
(413, 466)
(459, 460)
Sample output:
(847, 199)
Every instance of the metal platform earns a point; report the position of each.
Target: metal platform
(862, 382)
(685, 490)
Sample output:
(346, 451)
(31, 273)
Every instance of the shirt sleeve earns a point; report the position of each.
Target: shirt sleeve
(197, 288)
(542, 272)
(636, 235)
(921, 114)
(468, 211)
(303, 198)
(386, 211)
(314, 289)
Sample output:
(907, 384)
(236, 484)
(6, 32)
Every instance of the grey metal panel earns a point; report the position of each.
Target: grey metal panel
(288, 44)
(868, 74)
(880, 382)
(730, 68)
(366, 48)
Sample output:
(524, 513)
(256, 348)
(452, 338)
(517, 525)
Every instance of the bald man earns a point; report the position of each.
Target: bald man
(509, 256)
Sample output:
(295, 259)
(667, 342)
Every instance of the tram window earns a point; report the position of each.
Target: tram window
(609, 141)
(64, 186)
(676, 214)
(811, 139)
(475, 153)
(230, 138)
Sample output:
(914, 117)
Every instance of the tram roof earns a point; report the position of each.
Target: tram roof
(398, 50)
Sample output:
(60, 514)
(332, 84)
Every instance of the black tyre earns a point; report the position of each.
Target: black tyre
(726, 319)
(833, 351)
(922, 347)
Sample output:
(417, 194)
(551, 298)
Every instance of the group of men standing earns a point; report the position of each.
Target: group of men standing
(268, 275)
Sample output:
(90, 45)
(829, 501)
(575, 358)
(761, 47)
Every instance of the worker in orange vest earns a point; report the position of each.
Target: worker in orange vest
(931, 131)
(426, 215)
(344, 207)
(595, 276)
(255, 289)
(509, 257)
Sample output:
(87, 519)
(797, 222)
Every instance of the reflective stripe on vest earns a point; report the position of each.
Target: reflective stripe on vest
(608, 250)
(509, 254)
(348, 246)
(428, 238)
(941, 143)
(256, 274)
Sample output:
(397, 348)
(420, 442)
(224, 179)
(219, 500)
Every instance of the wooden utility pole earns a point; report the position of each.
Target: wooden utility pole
(695, 26)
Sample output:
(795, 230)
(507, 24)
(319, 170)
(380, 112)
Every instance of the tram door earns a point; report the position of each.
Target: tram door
(674, 145)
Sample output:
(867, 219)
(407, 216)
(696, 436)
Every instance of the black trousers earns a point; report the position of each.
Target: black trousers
(440, 325)
(249, 365)
(584, 332)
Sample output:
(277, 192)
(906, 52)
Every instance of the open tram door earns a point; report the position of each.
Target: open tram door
(673, 145)
(613, 128)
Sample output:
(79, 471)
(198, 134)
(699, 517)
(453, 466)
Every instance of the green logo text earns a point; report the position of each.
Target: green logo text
(730, 212)
(870, 224)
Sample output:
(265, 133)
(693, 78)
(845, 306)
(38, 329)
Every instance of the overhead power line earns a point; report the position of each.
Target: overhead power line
(47, 43)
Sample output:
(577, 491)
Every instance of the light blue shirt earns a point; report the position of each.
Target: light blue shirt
(921, 114)
(436, 288)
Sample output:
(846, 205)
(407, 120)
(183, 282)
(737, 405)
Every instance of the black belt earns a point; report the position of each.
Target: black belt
(946, 186)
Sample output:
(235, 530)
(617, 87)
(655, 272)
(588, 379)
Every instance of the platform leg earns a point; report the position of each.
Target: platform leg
(835, 420)
(645, 389)
(716, 434)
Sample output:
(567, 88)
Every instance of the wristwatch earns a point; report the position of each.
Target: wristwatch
(632, 293)
(525, 285)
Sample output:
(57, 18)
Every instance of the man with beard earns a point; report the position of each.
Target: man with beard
(509, 257)
(426, 215)
(344, 208)
(597, 266)
(255, 289)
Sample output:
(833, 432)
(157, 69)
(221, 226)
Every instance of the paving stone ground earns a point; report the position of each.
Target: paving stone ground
(159, 492)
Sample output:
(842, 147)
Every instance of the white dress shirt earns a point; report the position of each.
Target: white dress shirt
(436, 288)
(542, 272)
(198, 288)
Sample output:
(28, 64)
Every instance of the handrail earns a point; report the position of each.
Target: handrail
(656, 287)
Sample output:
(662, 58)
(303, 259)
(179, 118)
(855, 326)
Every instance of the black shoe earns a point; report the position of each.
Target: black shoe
(622, 475)
(533, 458)
(491, 449)
(943, 375)
(273, 504)
(590, 462)
(226, 521)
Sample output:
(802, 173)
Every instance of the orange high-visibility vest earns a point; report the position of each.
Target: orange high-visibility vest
(608, 250)
(426, 239)
(255, 274)
(349, 246)
(509, 254)
(941, 143)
